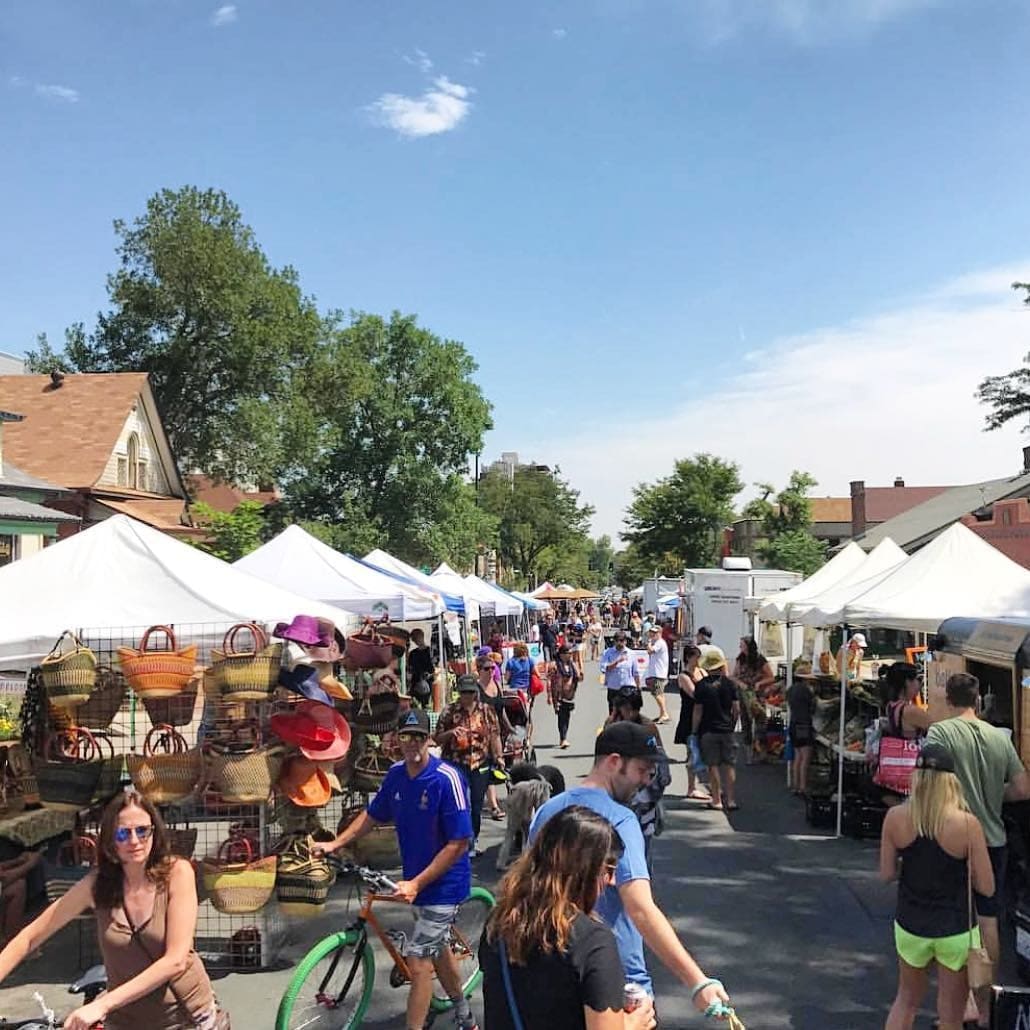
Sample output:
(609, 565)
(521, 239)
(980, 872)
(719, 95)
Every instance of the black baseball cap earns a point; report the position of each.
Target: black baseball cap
(936, 757)
(416, 721)
(466, 681)
(629, 740)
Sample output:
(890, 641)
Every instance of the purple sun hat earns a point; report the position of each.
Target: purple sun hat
(304, 629)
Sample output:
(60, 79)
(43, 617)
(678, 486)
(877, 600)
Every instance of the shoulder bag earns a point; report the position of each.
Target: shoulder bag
(221, 1016)
(979, 967)
(513, 1005)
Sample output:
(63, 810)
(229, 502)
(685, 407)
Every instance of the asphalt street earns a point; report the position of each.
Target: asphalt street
(794, 922)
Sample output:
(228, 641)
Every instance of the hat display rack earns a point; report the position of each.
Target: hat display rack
(254, 744)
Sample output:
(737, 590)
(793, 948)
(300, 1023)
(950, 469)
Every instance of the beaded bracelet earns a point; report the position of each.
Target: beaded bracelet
(711, 982)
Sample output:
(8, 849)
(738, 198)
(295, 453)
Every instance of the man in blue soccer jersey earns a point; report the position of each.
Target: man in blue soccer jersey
(427, 800)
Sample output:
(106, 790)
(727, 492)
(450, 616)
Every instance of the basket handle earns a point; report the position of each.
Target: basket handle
(257, 635)
(56, 651)
(75, 744)
(99, 739)
(237, 842)
(169, 740)
(169, 636)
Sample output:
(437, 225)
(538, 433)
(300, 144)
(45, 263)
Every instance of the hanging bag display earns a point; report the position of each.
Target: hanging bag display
(302, 881)
(169, 769)
(19, 765)
(110, 778)
(69, 672)
(370, 769)
(158, 673)
(73, 861)
(236, 883)
(239, 768)
(367, 649)
(70, 770)
(182, 840)
(105, 702)
(12, 800)
(176, 710)
(246, 673)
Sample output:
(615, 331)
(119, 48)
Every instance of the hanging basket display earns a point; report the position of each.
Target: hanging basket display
(302, 881)
(235, 882)
(247, 673)
(173, 711)
(70, 770)
(367, 649)
(69, 672)
(245, 778)
(105, 702)
(168, 770)
(158, 673)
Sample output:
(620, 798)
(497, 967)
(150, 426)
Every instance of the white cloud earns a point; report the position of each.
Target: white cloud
(477, 58)
(224, 15)
(420, 60)
(48, 91)
(805, 21)
(884, 396)
(559, 33)
(439, 109)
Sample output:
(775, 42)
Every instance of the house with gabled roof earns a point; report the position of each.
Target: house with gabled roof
(98, 437)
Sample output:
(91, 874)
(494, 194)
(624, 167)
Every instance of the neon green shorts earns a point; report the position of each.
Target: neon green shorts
(951, 952)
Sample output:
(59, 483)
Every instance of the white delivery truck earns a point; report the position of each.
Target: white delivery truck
(716, 598)
(660, 587)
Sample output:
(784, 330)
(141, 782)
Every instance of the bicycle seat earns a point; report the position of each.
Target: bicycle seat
(95, 976)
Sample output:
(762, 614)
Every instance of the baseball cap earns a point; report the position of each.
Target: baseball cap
(858, 639)
(467, 681)
(629, 740)
(712, 658)
(654, 629)
(936, 757)
(416, 721)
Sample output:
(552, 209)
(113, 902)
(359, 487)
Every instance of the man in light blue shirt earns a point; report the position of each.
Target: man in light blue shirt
(625, 759)
(619, 669)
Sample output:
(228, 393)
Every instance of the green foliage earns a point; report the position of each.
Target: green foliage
(1007, 396)
(600, 560)
(400, 417)
(233, 534)
(541, 525)
(45, 359)
(796, 550)
(785, 538)
(677, 522)
(196, 304)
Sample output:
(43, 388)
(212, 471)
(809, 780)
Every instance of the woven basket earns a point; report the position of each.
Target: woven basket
(16, 768)
(105, 702)
(69, 676)
(375, 713)
(168, 777)
(366, 649)
(182, 840)
(248, 675)
(378, 849)
(369, 771)
(237, 888)
(153, 673)
(75, 858)
(70, 770)
(245, 778)
(173, 711)
(302, 882)
(110, 778)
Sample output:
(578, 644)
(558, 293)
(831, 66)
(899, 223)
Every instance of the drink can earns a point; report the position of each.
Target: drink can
(633, 997)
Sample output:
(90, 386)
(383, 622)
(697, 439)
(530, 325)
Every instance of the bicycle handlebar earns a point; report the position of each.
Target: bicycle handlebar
(378, 881)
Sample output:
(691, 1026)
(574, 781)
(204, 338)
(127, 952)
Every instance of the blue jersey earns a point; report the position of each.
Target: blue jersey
(632, 866)
(428, 811)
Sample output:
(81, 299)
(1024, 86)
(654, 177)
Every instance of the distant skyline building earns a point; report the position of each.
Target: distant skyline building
(508, 462)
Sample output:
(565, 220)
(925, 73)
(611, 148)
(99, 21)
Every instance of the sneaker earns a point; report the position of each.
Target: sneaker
(476, 849)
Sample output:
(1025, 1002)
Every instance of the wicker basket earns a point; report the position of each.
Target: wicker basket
(182, 840)
(245, 778)
(375, 713)
(238, 888)
(378, 849)
(105, 702)
(168, 777)
(173, 711)
(248, 675)
(110, 778)
(154, 673)
(366, 649)
(369, 771)
(302, 882)
(70, 770)
(75, 858)
(19, 765)
(69, 676)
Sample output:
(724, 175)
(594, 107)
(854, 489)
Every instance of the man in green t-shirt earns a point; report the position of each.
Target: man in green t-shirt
(990, 772)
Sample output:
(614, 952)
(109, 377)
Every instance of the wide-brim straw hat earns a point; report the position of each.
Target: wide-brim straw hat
(304, 782)
(330, 719)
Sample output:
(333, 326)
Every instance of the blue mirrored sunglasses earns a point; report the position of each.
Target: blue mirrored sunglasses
(124, 833)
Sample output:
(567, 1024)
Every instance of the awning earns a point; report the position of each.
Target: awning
(987, 640)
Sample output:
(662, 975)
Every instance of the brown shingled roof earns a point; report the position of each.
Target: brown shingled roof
(830, 509)
(69, 431)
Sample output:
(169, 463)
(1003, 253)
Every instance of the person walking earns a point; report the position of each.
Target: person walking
(564, 679)
(595, 634)
(428, 802)
(470, 739)
(548, 637)
(905, 718)
(636, 627)
(936, 849)
(517, 669)
(716, 711)
(626, 756)
(990, 773)
(618, 668)
(703, 637)
(754, 676)
(687, 681)
(144, 900)
(546, 961)
(657, 675)
(801, 705)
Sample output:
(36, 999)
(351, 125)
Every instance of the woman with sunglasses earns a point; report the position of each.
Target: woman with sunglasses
(145, 901)
(546, 961)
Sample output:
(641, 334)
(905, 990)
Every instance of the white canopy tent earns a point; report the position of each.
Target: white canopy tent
(299, 561)
(387, 563)
(780, 607)
(958, 573)
(531, 602)
(472, 589)
(827, 608)
(120, 577)
(545, 586)
(505, 604)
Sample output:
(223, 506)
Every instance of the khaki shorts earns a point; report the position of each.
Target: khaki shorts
(656, 685)
(719, 749)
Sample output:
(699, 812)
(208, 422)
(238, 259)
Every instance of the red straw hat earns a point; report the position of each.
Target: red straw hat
(298, 728)
(328, 719)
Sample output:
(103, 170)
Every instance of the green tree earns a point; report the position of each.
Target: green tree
(1008, 396)
(196, 304)
(44, 359)
(399, 415)
(678, 521)
(540, 521)
(785, 524)
(600, 560)
(230, 535)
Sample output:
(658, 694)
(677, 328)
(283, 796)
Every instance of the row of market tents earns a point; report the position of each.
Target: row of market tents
(121, 576)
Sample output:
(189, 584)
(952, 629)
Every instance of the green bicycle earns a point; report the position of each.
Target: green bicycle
(333, 985)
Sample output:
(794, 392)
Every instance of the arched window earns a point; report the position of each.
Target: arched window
(133, 449)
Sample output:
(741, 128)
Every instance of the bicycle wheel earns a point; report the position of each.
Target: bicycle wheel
(464, 944)
(332, 987)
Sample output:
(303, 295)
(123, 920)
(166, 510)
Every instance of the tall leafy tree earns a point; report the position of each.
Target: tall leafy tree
(1008, 396)
(399, 415)
(540, 522)
(678, 521)
(785, 524)
(197, 305)
(231, 535)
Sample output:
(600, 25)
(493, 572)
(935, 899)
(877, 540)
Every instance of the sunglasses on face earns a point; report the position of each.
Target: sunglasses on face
(411, 738)
(124, 833)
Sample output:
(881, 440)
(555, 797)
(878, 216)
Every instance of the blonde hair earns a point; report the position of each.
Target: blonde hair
(935, 795)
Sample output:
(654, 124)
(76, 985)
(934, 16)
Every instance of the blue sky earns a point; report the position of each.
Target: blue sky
(779, 230)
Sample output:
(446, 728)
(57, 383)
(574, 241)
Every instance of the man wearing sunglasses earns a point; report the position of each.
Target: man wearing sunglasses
(427, 801)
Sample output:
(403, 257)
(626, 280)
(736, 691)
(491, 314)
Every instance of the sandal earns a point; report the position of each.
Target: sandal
(713, 807)
(697, 795)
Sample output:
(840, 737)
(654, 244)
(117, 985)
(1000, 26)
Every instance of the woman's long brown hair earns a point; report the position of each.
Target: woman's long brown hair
(557, 878)
(107, 892)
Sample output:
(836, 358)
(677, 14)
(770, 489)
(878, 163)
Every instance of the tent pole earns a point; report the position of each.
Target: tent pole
(790, 683)
(441, 675)
(840, 728)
